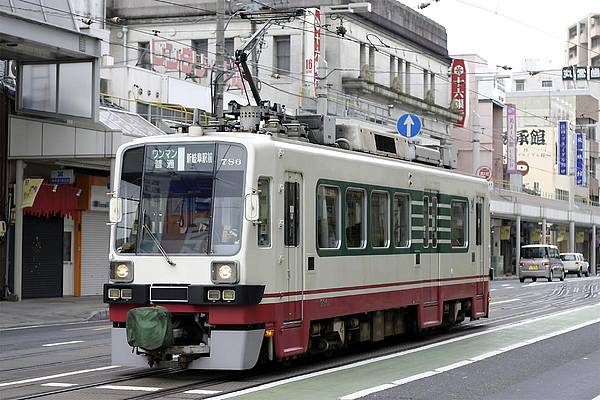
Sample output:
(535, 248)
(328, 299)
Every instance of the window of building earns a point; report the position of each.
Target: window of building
(200, 46)
(355, 218)
(595, 42)
(458, 224)
(401, 210)
(425, 83)
(328, 216)
(520, 85)
(379, 219)
(291, 203)
(264, 211)
(401, 73)
(143, 59)
(372, 59)
(546, 84)
(229, 47)
(363, 54)
(282, 54)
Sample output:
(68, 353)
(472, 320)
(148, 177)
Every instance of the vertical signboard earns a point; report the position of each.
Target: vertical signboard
(580, 159)
(511, 139)
(458, 91)
(312, 50)
(563, 148)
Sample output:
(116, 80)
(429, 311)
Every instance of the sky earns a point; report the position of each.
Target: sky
(505, 32)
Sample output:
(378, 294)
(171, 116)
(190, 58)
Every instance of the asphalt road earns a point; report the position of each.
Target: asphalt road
(541, 342)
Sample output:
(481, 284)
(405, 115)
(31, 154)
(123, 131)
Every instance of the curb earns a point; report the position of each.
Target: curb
(98, 315)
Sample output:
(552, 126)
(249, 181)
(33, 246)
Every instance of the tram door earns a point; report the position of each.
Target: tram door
(293, 215)
(430, 244)
(480, 247)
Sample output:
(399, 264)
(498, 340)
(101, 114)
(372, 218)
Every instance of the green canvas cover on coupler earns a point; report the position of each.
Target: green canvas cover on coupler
(149, 328)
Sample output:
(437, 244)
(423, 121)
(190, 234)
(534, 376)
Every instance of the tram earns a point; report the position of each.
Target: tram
(230, 247)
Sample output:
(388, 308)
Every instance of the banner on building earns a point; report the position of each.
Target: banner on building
(567, 73)
(581, 73)
(458, 89)
(511, 139)
(31, 187)
(536, 236)
(595, 72)
(312, 50)
(580, 237)
(580, 160)
(505, 232)
(563, 147)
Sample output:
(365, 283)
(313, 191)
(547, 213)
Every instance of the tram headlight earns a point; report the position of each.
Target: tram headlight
(121, 271)
(224, 272)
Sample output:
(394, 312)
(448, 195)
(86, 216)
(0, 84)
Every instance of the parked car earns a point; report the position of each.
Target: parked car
(574, 263)
(540, 261)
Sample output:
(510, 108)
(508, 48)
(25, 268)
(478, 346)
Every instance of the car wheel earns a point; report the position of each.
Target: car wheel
(562, 275)
(579, 273)
(533, 279)
(587, 273)
(550, 276)
(521, 280)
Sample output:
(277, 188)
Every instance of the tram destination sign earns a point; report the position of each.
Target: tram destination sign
(193, 157)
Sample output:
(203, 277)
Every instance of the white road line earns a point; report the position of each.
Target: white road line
(202, 391)
(597, 397)
(58, 384)
(395, 355)
(133, 388)
(18, 328)
(506, 284)
(357, 395)
(43, 378)
(366, 392)
(504, 301)
(62, 343)
(493, 290)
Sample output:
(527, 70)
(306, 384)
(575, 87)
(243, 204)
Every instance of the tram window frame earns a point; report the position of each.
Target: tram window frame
(363, 218)
(464, 205)
(386, 219)
(425, 221)
(405, 221)
(478, 222)
(335, 242)
(263, 230)
(292, 214)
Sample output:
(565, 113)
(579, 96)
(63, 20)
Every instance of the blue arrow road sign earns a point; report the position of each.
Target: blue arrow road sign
(408, 125)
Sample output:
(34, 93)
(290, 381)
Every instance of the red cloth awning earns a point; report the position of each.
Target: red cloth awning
(62, 202)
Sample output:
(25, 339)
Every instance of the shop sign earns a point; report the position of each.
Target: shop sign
(511, 138)
(563, 159)
(99, 200)
(458, 88)
(580, 159)
(536, 235)
(62, 177)
(580, 237)
(485, 172)
(567, 73)
(595, 72)
(581, 73)
(31, 187)
(312, 50)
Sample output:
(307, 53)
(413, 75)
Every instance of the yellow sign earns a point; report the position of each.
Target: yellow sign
(580, 237)
(536, 235)
(505, 232)
(561, 236)
(31, 186)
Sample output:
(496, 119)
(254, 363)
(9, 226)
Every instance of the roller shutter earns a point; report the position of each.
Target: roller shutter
(94, 252)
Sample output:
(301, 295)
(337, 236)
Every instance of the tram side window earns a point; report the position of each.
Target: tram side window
(401, 220)
(355, 218)
(478, 227)
(426, 221)
(458, 223)
(264, 217)
(328, 216)
(292, 214)
(380, 219)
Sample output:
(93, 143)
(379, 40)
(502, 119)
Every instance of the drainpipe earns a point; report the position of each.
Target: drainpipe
(18, 267)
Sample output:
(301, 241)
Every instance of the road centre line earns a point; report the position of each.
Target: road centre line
(395, 355)
(62, 343)
(43, 378)
(58, 384)
(18, 328)
(132, 388)
(202, 391)
(459, 364)
(504, 301)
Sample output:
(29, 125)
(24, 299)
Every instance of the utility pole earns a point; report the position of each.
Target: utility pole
(219, 61)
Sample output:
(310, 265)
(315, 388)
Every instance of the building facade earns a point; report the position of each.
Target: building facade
(583, 42)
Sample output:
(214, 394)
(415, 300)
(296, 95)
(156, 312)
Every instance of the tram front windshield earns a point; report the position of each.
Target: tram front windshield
(187, 198)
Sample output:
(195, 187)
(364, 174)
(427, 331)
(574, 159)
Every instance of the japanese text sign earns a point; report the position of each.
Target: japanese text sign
(458, 74)
(511, 139)
(563, 149)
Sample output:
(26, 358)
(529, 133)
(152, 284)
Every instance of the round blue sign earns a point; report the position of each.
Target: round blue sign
(408, 125)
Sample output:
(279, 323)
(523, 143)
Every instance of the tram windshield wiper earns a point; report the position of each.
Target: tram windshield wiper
(157, 243)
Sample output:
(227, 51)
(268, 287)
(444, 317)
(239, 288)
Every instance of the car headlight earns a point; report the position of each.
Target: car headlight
(224, 272)
(121, 271)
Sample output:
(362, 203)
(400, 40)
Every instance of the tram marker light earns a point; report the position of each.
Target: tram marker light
(229, 295)
(127, 294)
(269, 332)
(114, 293)
(214, 295)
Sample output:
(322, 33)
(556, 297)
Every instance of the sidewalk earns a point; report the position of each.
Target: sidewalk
(51, 311)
